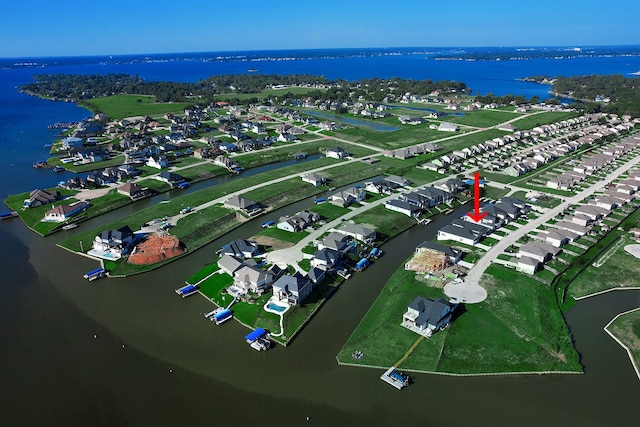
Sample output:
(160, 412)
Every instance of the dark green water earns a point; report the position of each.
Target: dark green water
(176, 368)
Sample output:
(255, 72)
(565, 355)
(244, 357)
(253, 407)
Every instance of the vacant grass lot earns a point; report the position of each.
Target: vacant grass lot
(620, 270)
(517, 329)
(387, 223)
(533, 120)
(121, 106)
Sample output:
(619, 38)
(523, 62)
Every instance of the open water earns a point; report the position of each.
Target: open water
(129, 352)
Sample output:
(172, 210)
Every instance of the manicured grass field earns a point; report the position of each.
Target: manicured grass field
(204, 272)
(121, 106)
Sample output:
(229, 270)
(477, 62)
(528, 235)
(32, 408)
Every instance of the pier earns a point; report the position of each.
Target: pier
(95, 274)
(187, 290)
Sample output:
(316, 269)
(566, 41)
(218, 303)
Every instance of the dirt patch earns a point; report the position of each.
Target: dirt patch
(272, 243)
(156, 248)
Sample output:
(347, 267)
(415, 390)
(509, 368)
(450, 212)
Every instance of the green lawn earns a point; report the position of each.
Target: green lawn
(329, 211)
(517, 329)
(121, 106)
(627, 329)
(533, 120)
(285, 236)
(482, 118)
(619, 271)
(387, 223)
(207, 270)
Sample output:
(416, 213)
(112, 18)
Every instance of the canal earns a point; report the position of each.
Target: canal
(128, 348)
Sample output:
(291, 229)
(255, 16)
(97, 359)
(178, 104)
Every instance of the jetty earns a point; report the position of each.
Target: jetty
(95, 274)
(187, 290)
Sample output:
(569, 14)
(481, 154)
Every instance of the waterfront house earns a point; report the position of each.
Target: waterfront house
(335, 241)
(292, 289)
(348, 197)
(242, 203)
(403, 207)
(298, 222)
(133, 191)
(116, 242)
(358, 232)
(316, 275)
(240, 249)
(40, 197)
(325, 259)
(71, 142)
(465, 232)
(426, 316)
(379, 186)
(62, 213)
(230, 264)
(252, 279)
(173, 179)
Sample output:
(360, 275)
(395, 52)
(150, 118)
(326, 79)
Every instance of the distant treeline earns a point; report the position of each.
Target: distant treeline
(622, 95)
(597, 93)
(75, 88)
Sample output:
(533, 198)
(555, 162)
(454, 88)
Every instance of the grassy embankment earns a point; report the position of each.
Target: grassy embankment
(619, 268)
(519, 328)
(626, 328)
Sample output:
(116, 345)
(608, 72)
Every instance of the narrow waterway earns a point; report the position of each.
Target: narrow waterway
(209, 373)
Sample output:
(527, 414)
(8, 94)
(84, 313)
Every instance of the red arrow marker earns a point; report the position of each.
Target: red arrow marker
(476, 215)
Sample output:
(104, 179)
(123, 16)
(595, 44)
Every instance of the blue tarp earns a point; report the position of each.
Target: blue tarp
(255, 334)
(375, 251)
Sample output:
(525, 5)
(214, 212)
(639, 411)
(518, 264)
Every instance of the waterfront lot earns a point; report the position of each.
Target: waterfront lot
(121, 106)
(518, 329)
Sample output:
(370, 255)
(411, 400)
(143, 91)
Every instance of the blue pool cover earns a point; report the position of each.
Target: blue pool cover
(255, 334)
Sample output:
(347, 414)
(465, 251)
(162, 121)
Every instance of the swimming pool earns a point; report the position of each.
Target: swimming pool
(276, 307)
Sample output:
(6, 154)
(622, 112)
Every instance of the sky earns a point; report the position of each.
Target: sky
(35, 28)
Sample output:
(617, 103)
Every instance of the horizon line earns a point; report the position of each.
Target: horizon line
(110, 55)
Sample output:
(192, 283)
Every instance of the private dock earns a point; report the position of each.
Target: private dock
(7, 215)
(219, 315)
(395, 378)
(186, 291)
(95, 274)
(259, 339)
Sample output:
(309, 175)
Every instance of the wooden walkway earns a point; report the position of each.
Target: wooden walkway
(413, 346)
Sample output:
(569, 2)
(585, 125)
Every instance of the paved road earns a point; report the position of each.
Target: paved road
(475, 274)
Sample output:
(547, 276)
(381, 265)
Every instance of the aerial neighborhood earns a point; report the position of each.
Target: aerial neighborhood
(533, 194)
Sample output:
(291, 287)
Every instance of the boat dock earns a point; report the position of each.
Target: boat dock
(259, 339)
(219, 315)
(69, 226)
(95, 274)
(7, 215)
(395, 378)
(186, 291)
